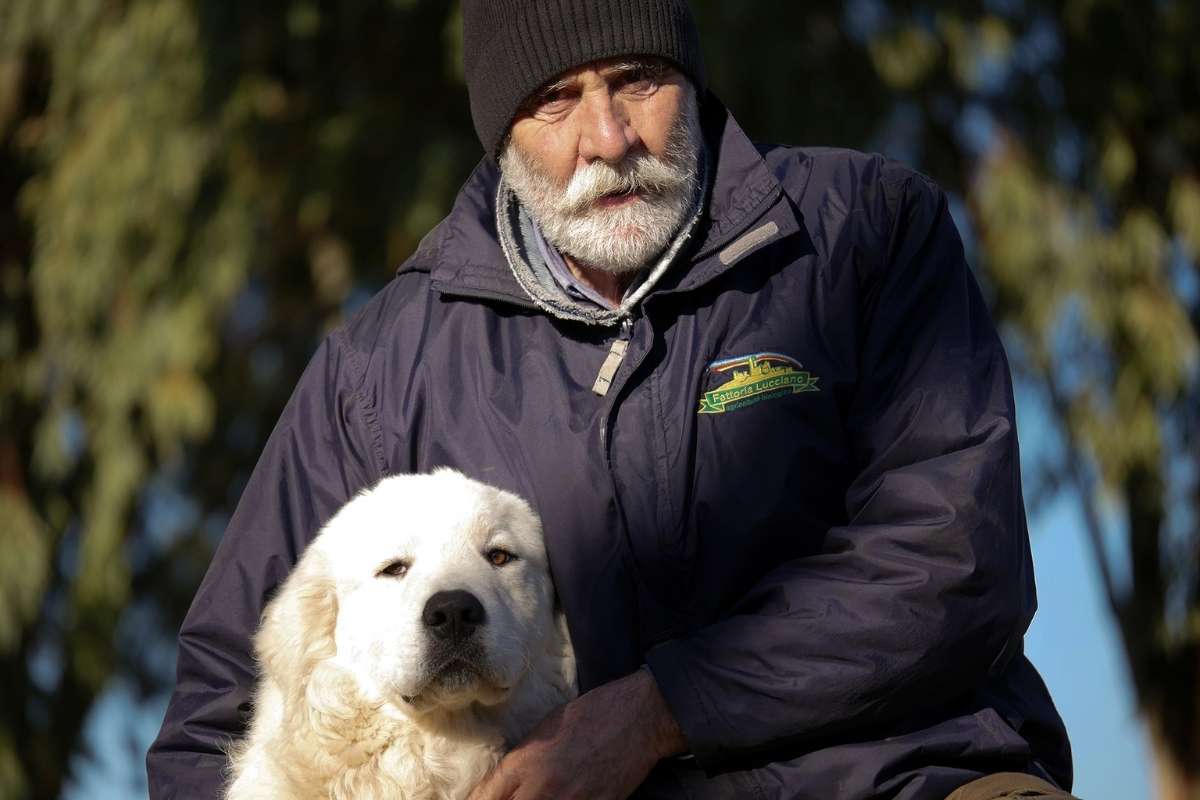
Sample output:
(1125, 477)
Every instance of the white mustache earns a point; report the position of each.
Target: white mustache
(641, 173)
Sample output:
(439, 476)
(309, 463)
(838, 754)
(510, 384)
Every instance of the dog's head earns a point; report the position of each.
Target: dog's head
(428, 591)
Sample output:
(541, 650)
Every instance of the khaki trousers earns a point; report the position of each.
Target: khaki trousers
(1005, 785)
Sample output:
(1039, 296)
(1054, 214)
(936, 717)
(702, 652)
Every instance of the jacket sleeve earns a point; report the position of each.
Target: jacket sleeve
(928, 588)
(321, 452)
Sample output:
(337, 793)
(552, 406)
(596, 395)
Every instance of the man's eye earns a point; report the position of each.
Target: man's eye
(396, 569)
(498, 557)
(552, 102)
(639, 80)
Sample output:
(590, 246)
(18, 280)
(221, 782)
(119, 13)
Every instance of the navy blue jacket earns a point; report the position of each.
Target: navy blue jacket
(799, 502)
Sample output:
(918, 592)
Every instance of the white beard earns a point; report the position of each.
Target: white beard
(624, 239)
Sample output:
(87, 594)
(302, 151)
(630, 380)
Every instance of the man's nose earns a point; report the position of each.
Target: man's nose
(606, 133)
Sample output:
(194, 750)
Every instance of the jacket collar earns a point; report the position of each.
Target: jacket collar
(465, 259)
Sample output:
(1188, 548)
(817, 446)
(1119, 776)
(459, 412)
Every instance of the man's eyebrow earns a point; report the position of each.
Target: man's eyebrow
(555, 86)
(652, 65)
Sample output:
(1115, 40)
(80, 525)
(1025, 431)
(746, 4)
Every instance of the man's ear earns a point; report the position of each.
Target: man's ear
(297, 631)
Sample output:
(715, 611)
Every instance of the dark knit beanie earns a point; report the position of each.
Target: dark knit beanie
(511, 47)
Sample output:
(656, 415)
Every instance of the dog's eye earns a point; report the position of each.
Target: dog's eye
(499, 558)
(396, 569)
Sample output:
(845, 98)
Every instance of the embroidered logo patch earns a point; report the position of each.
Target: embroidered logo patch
(751, 379)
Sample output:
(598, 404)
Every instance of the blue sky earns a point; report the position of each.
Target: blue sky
(1072, 642)
(1074, 645)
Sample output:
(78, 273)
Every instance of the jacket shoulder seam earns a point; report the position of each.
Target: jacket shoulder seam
(366, 410)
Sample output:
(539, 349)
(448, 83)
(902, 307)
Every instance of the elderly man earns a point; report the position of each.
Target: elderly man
(756, 398)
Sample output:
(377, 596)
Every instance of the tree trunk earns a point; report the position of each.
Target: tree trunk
(1171, 779)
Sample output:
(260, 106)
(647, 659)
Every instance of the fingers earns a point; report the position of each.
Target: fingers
(499, 784)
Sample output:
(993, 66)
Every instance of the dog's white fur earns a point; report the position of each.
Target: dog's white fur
(353, 701)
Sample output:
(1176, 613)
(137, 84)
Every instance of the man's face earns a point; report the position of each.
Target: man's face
(605, 159)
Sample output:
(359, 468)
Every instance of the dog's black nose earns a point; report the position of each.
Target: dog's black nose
(453, 615)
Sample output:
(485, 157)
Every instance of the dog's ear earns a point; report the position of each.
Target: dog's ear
(297, 631)
(549, 683)
(561, 653)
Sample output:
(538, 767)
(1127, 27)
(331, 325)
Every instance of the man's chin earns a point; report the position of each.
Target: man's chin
(625, 253)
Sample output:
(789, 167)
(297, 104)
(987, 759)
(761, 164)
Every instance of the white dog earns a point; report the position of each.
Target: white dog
(415, 641)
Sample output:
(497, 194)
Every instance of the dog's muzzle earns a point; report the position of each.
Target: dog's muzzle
(455, 657)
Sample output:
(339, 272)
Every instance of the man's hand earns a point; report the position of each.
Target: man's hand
(600, 746)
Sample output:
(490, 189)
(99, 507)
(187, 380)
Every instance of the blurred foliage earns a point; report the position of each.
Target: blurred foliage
(185, 192)
(192, 191)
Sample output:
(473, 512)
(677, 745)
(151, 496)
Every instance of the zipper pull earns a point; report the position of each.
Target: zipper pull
(612, 362)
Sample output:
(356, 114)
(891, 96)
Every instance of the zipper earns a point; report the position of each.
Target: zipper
(608, 370)
(612, 362)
